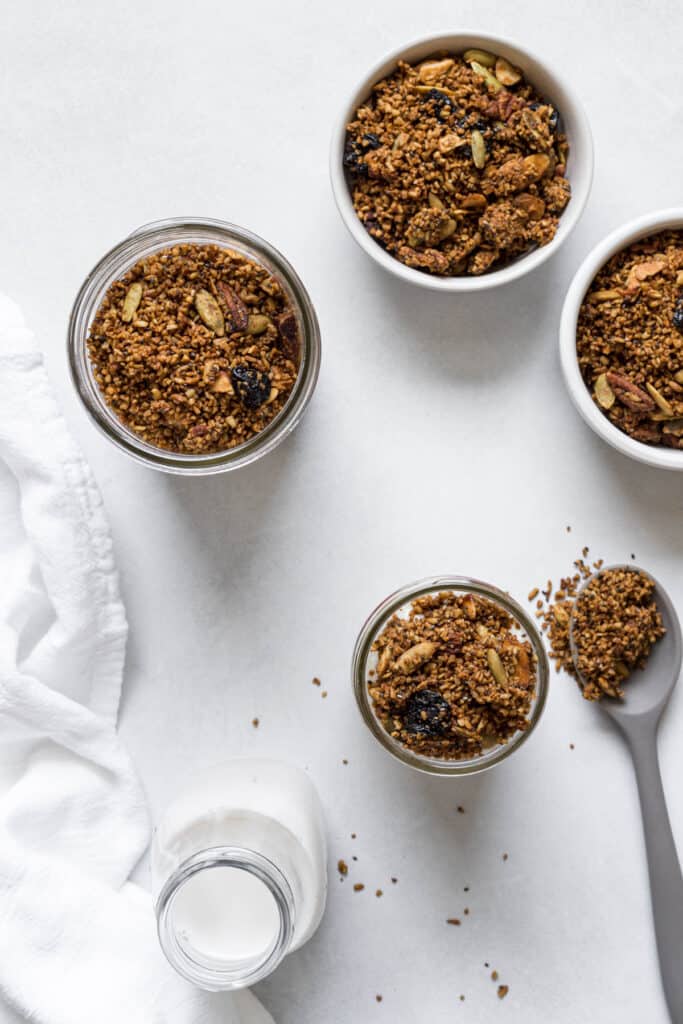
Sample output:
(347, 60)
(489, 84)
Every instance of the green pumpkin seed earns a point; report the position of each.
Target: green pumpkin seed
(482, 57)
(478, 149)
(497, 668)
(210, 312)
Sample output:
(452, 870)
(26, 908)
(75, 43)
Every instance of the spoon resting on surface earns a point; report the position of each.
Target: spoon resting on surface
(637, 715)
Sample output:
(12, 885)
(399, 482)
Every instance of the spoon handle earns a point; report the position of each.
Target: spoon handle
(666, 879)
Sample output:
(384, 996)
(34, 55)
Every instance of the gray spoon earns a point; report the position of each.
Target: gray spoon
(638, 715)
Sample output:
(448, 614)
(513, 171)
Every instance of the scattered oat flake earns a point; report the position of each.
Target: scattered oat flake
(533, 593)
(494, 975)
(379, 893)
(453, 920)
(342, 867)
(358, 887)
(503, 991)
(324, 693)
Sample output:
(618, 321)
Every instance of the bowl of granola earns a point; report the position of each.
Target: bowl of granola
(194, 346)
(621, 339)
(450, 675)
(461, 162)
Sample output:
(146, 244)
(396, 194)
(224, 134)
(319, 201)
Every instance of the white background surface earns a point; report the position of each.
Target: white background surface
(440, 440)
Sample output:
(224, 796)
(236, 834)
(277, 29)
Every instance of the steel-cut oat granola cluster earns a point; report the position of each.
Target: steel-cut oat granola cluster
(616, 624)
(453, 677)
(456, 165)
(195, 349)
(629, 339)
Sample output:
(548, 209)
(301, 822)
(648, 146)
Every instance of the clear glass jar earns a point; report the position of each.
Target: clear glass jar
(149, 239)
(364, 660)
(239, 872)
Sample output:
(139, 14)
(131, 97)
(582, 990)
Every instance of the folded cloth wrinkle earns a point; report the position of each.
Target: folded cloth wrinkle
(77, 938)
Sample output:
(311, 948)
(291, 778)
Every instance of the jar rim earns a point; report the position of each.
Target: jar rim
(117, 261)
(212, 976)
(377, 620)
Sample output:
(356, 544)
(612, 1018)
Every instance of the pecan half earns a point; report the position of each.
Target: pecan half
(629, 394)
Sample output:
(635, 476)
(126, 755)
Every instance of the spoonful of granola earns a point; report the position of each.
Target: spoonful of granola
(621, 621)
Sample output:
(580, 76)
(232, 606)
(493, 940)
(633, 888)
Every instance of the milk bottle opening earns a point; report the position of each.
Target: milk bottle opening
(225, 918)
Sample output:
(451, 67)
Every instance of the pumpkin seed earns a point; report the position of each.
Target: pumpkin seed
(604, 295)
(434, 202)
(482, 57)
(484, 73)
(415, 656)
(603, 392)
(258, 323)
(478, 149)
(131, 302)
(497, 668)
(659, 399)
(210, 312)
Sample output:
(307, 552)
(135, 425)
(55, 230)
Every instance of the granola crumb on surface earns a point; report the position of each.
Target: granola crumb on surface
(454, 676)
(342, 867)
(629, 339)
(455, 171)
(358, 887)
(503, 991)
(195, 349)
(453, 920)
(255, 722)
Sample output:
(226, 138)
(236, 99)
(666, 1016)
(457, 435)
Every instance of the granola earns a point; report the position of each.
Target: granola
(457, 165)
(616, 624)
(629, 339)
(195, 349)
(453, 677)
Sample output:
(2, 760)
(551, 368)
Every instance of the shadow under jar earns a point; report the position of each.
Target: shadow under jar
(453, 666)
(227, 382)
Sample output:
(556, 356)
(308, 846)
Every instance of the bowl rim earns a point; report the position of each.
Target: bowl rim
(583, 153)
(622, 236)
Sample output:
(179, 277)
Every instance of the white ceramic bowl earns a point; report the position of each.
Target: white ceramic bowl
(575, 125)
(650, 223)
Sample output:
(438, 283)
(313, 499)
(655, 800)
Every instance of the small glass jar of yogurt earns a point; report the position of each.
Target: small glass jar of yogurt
(239, 872)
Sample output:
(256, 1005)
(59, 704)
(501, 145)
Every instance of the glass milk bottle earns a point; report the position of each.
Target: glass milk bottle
(239, 872)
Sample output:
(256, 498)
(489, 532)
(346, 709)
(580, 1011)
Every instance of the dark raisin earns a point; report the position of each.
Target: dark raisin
(426, 713)
(677, 318)
(442, 103)
(353, 159)
(371, 141)
(252, 386)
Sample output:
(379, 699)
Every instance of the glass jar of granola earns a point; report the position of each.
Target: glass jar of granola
(450, 675)
(194, 346)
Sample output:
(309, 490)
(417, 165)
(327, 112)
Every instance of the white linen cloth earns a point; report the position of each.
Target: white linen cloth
(77, 940)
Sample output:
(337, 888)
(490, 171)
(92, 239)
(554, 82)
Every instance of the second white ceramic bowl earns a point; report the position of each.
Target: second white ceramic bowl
(575, 125)
(649, 224)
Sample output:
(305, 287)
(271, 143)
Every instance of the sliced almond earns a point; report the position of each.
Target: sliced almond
(496, 666)
(474, 203)
(507, 73)
(131, 302)
(210, 312)
(536, 165)
(661, 401)
(603, 392)
(432, 70)
(604, 295)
